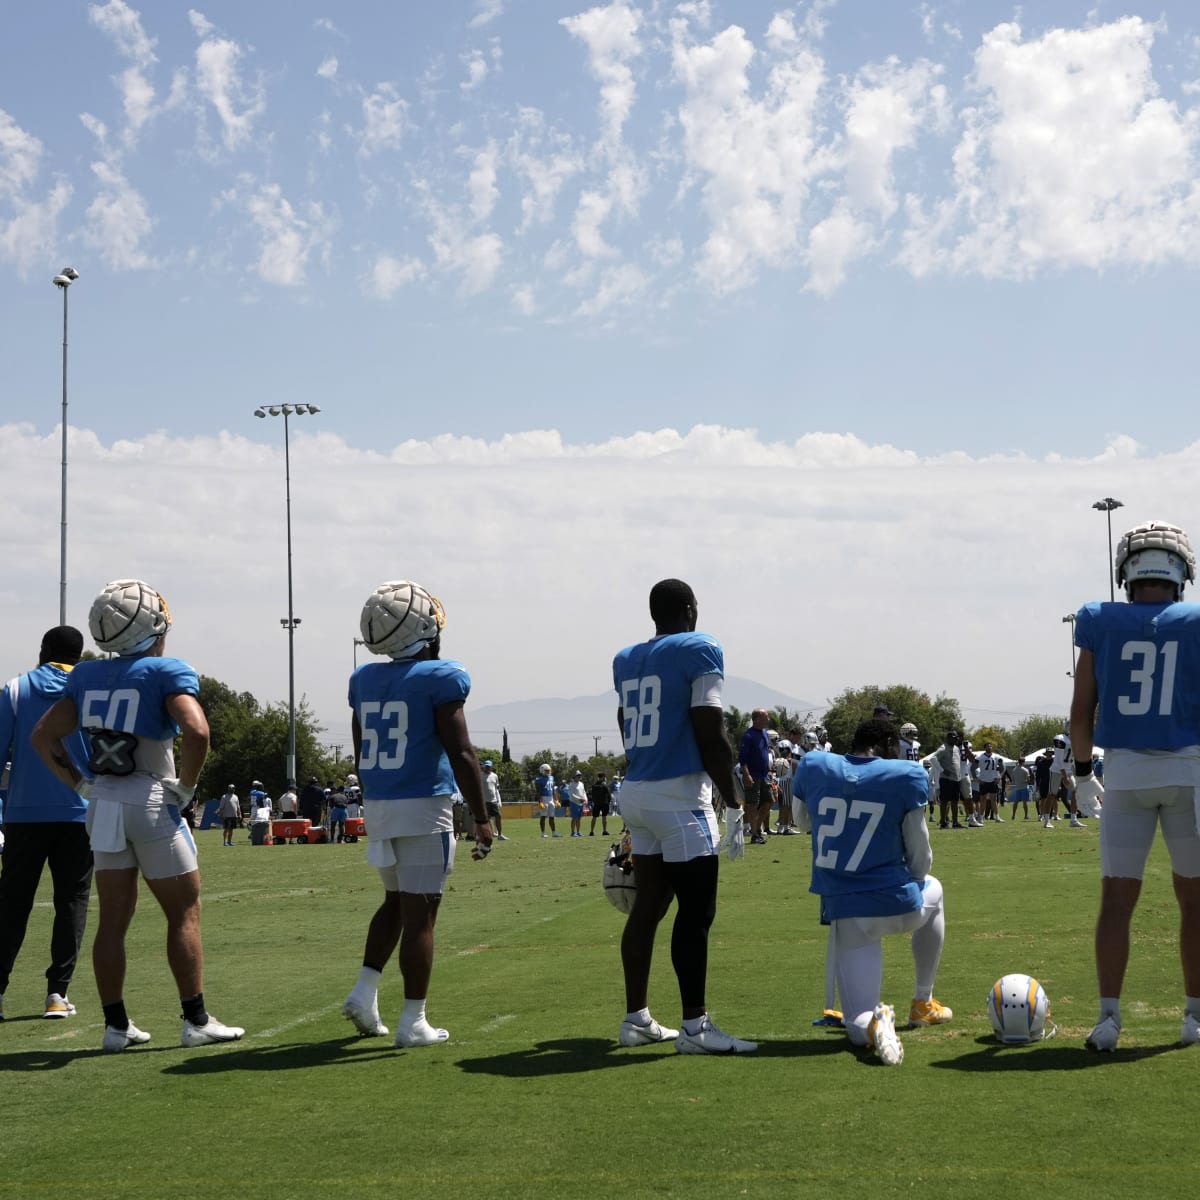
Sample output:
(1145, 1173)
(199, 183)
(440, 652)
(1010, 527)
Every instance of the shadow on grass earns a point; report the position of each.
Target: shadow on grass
(46, 1060)
(295, 1056)
(1046, 1056)
(575, 1056)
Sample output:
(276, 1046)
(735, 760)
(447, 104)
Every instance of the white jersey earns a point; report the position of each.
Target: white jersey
(990, 767)
(910, 751)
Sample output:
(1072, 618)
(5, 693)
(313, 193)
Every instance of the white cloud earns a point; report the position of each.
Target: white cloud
(619, 285)
(475, 258)
(388, 275)
(287, 239)
(1071, 158)
(477, 69)
(524, 299)
(674, 502)
(756, 156)
(118, 221)
(385, 120)
(30, 232)
(238, 104)
(610, 34)
(124, 25)
(486, 11)
(328, 68)
(481, 183)
(546, 160)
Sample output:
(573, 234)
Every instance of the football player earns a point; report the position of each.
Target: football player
(132, 707)
(871, 860)
(543, 786)
(1062, 780)
(411, 747)
(1137, 693)
(910, 748)
(673, 730)
(990, 769)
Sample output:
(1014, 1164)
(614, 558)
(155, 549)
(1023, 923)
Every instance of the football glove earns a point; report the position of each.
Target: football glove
(84, 787)
(1089, 795)
(180, 791)
(734, 841)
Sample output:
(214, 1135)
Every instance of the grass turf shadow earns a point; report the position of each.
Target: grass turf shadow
(1045, 1056)
(291, 1056)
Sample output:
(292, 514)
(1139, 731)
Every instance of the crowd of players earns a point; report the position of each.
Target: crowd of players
(93, 746)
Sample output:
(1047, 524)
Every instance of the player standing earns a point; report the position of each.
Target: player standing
(133, 706)
(871, 860)
(411, 746)
(1137, 694)
(673, 729)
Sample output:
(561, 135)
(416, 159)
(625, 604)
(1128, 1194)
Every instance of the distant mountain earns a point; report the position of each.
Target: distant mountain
(571, 726)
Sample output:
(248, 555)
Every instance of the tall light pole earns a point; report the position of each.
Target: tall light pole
(1106, 506)
(357, 642)
(63, 281)
(291, 620)
(1069, 619)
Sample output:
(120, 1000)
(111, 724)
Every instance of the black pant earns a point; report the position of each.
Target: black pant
(28, 848)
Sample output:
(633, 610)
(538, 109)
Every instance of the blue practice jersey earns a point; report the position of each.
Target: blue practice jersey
(396, 704)
(654, 681)
(857, 807)
(545, 786)
(122, 704)
(1147, 670)
(34, 792)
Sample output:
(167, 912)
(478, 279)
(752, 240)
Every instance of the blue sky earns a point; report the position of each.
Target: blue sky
(541, 253)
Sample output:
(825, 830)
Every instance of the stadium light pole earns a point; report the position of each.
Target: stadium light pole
(63, 281)
(1069, 619)
(1106, 506)
(291, 620)
(357, 642)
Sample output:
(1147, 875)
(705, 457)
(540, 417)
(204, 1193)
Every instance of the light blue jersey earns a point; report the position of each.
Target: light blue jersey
(1147, 663)
(857, 807)
(654, 682)
(122, 704)
(35, 794)
(396, 704)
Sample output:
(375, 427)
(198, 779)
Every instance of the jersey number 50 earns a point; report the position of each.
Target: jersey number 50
(640, 699)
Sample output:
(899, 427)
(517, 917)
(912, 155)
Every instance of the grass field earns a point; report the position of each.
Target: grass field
(532, 1096)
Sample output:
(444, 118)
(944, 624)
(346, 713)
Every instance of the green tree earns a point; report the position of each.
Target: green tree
(1032, 733)
(850, 708)
(996, 734)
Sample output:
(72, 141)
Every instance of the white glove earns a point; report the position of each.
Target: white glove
(734, 841)
(84, 788)
(183, 793)
(1089, 795)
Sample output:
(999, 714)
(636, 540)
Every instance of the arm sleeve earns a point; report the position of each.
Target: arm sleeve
(8, 713)
(918, 854)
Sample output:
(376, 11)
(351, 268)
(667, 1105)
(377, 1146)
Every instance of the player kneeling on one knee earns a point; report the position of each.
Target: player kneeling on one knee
(871, 860)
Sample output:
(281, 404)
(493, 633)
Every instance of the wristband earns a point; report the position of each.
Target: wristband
(482, 820)
(1082, 772)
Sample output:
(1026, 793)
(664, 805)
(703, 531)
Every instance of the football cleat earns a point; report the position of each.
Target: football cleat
(400, 619)
(830, 1019)
(364, 1017)
(711, 1040)
(118, 1039)
(1104, 1036)
(881, 1034)
(208, 1034)
(929, 1012)
(1189, 1035)
(420, 1033)
(633, 1034)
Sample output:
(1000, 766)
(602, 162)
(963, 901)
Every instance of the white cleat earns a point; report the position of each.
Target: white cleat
(118, 1039)
(420, 1033)
(711, 1040)
(1104, 1036)
(209, 1034)
(645, 1035)
(364, 1017)
(881, 1033)
(1190, 1034)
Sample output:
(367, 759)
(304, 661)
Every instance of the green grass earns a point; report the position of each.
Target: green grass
(533, 1097)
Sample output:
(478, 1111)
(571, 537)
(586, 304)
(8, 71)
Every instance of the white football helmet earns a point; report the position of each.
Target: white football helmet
(908, 731)
(1155, 550)
(128, 617)
(1018, 1008)
(400, 619)
(620, 886)
(544, 769)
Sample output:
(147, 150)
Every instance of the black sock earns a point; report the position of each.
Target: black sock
(115, 1016)
(194, 1010)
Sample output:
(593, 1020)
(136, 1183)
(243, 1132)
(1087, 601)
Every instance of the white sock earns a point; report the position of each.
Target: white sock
(640, 1017)
(414, 1011)
(693, 1025)
(1110, 1006)
(1191, 1004)
(367, 985)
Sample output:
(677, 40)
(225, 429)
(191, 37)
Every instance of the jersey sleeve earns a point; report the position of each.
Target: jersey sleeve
(179, 679)
(451, 684)
(705, 657)
(1085, 627)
